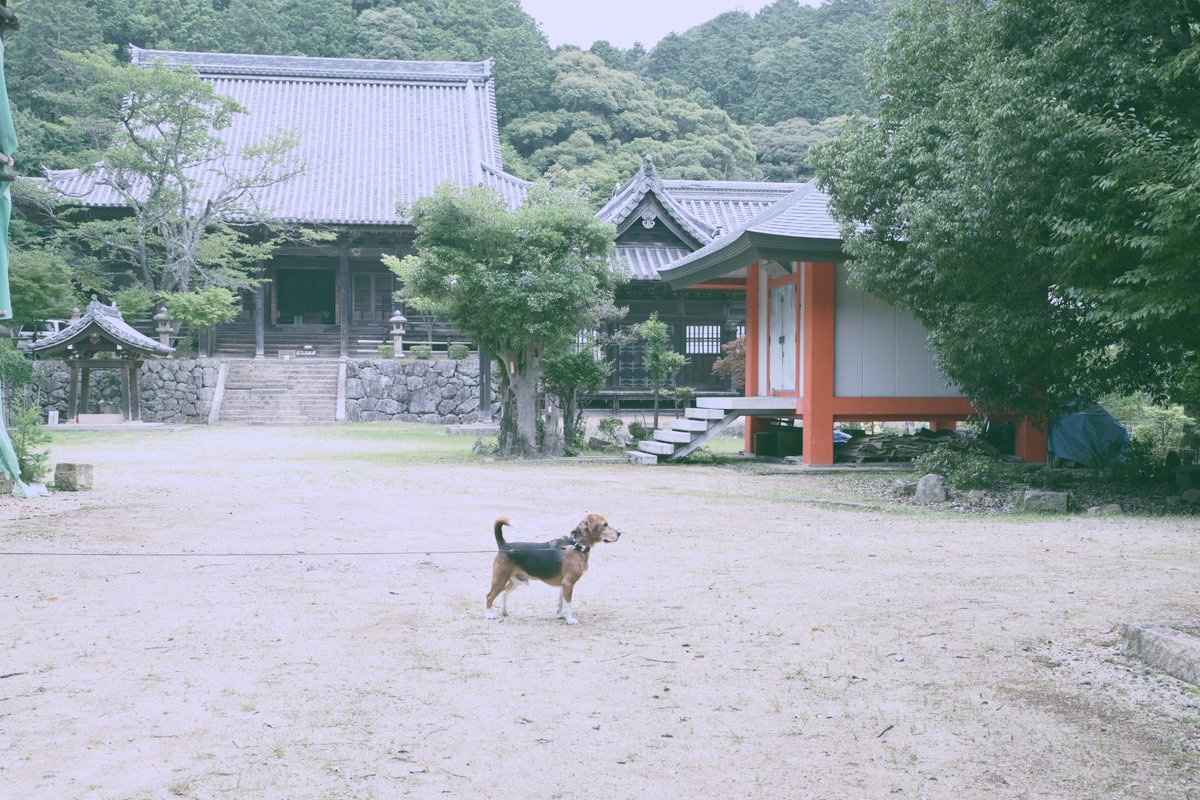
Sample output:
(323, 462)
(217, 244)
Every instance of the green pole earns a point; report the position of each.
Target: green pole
(8, 146)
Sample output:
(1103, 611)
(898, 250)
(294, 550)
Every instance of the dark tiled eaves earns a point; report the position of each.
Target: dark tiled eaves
(643, 261)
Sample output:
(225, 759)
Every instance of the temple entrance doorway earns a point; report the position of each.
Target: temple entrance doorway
(305, 297)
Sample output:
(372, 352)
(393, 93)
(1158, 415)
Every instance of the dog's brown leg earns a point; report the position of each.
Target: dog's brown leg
(502, 570)
(571, 574)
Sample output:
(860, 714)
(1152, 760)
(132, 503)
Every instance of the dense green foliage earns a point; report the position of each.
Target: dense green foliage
(522, 284)
(790, 60)
(577, 117)
(1029, 189)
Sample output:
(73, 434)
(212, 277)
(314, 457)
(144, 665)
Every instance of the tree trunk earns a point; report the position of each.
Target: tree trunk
(523, 373)
(655, 389)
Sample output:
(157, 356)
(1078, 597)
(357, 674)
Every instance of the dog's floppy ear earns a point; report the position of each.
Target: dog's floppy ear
(592, 526)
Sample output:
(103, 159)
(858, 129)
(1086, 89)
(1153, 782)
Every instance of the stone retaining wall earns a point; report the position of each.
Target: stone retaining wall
(171, 391)
(443, 391)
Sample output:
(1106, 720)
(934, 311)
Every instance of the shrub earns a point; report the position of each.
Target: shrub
(733, 363)
(963, 468)
(387, 351)
(638, 431)
(28, 436)
(684, 395)
(422, 351)
(610, 428)
(458, 351)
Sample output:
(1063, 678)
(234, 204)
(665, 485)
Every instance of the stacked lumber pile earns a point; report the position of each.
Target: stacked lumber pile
(886, 447)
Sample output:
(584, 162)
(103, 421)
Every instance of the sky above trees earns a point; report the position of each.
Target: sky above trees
(623, 22)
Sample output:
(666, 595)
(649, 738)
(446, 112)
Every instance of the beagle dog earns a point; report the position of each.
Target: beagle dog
(560, 562)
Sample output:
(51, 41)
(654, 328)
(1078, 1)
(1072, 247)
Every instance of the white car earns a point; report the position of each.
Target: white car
(48, 328)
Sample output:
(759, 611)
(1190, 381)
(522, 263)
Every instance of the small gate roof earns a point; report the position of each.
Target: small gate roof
(100, 329)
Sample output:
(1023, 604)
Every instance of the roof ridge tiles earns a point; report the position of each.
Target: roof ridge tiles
(277, 66)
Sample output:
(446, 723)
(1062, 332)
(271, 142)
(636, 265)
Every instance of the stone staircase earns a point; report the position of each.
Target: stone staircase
(267, 391)
(710, 416)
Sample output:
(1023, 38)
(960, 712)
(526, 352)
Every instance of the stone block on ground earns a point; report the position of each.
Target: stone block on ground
(1172, 651)
(903, 487)
(638, 457)
(1105, 509)
(6, 485)
(931, 488)
(1191, 496)
(73, 477)
(1038, 500)
(474, 429)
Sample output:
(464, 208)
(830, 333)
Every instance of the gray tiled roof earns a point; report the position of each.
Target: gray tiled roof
(799, 224)
(108, 319)
(726, 205)
(704, 209)
(644, 260)
(372, 133)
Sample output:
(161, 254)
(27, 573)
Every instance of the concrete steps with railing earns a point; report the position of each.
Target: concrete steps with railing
(708, 418)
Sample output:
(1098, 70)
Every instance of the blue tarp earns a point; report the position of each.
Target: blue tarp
(1091, 437)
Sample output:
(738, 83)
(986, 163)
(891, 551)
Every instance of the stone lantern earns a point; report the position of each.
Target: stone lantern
(163, 326)
(398, 321)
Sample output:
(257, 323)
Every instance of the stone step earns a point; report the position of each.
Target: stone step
(696, 425)
(679, 437)
(656, 448)
(704, 413)
(753, 405)
(638, 457)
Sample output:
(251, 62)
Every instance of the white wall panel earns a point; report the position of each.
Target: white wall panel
(881, 351)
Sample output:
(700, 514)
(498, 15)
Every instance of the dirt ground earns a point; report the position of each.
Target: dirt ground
(298, 613)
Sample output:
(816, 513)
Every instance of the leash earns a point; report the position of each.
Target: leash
(580, 546)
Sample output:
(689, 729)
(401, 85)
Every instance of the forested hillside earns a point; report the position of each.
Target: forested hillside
(739, 97)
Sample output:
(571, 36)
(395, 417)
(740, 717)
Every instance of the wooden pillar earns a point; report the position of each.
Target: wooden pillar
(753, 343)
(344, 295)
(85, 387)
(936, 425)
(124, 381)
(819, 281)
(73, 394)
(260, 323)
(135, 394)
(1031, 441)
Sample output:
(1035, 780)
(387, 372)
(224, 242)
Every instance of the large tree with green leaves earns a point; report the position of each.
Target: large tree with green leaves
(1030, 191)
(522, 283)
(154, 136)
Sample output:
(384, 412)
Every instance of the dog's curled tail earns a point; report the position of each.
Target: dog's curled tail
(499, 530)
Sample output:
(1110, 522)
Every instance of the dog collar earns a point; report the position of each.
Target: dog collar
(575, 544)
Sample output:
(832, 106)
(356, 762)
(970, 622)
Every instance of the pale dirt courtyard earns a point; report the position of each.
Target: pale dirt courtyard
(298, 613)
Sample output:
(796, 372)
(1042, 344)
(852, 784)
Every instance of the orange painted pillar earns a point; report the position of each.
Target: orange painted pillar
(1031, 441)
(943, 425)
(753, 345)
(819, 282)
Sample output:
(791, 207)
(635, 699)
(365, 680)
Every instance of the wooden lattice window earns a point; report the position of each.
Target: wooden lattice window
(702, 340)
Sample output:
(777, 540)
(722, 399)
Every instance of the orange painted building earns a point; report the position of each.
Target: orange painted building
(819, 349)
